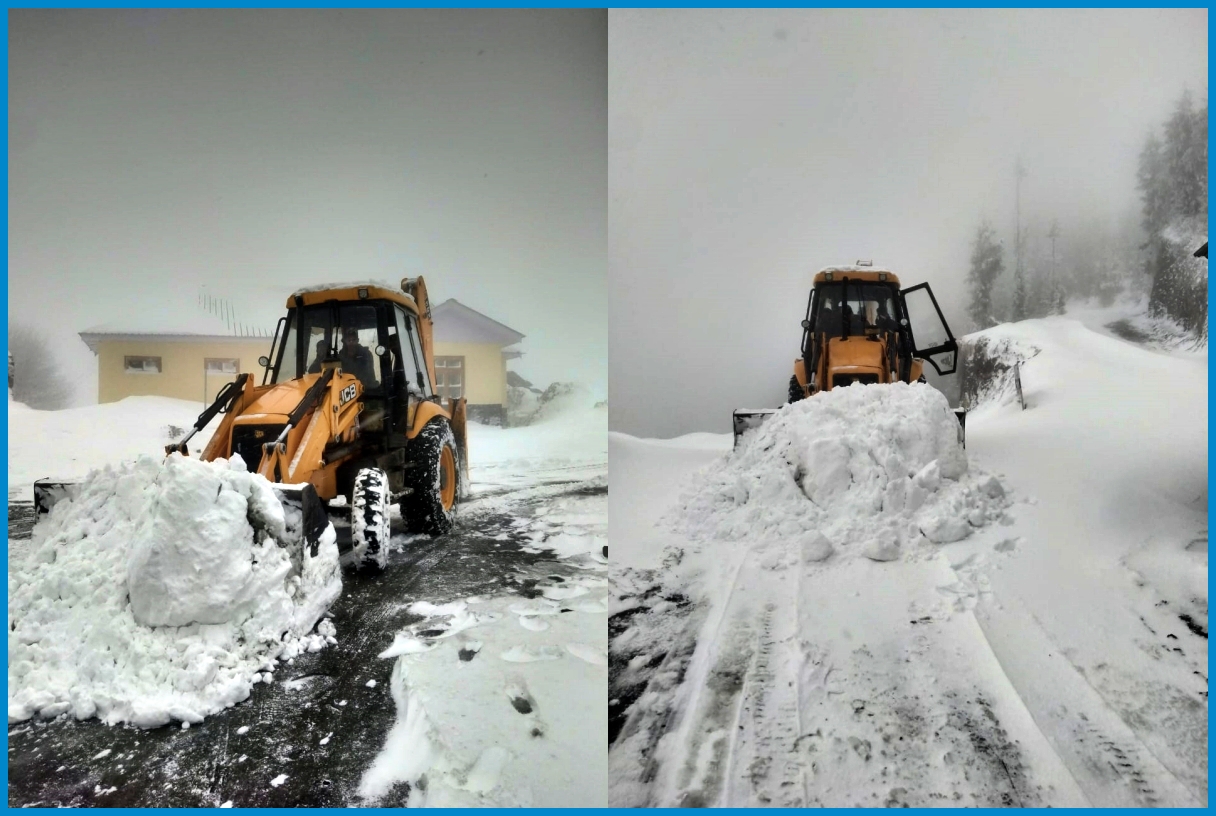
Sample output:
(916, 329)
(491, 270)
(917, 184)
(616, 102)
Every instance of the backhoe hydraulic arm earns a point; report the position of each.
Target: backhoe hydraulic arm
(223, 401)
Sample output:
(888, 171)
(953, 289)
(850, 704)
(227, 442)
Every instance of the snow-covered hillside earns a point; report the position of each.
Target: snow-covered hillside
(787, 631)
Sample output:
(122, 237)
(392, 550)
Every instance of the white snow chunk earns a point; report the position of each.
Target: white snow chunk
(104, 754)
(943, 529)
(278, 780)
(534, 623)
(227, 804)
(591, 654)
(992, 487)
(816, 547)
(881, 550)
(370, 684)
(244, 729)
(405, 643)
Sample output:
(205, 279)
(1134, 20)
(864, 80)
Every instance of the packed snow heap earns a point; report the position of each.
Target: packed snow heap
(870, 470)
(162, 591)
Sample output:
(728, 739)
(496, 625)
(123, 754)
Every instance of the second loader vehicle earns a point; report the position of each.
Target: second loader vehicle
(346, 410)
(859, 329)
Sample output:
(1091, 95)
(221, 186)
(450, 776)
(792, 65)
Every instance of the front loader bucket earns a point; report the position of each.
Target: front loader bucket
(49, 492)
(745, 419)
(305, 513)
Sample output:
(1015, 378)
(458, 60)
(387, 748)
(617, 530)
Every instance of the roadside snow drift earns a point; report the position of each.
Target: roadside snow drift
(161, 592)
(863, 470)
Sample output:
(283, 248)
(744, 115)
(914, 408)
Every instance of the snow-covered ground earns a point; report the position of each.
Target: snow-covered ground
(796, 624)
(500, 699)
(68, 444)
(533, 535)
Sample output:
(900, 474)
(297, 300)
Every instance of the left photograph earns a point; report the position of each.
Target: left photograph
(307, 416)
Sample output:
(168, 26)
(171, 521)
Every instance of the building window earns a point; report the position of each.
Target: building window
(449, 377)
(222, 366)
(141, 365)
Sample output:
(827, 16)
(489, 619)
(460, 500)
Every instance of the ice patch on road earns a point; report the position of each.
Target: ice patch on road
(160, 592)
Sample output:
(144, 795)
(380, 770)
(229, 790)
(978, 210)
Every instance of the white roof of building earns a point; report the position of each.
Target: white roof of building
(168, 324)
(457, 323)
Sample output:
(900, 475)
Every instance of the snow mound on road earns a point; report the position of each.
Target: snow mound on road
(160, 592)
(864, 469)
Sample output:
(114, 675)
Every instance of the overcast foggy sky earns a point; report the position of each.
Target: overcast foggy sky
(750, 148)
(151, 152)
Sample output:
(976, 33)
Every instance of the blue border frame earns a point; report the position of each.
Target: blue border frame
(488, 4)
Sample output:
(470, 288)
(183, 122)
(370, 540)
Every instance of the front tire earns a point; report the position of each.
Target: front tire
(430, 507)
(369, 518)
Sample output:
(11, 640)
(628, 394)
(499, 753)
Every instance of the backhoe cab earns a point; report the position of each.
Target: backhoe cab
(860, 327)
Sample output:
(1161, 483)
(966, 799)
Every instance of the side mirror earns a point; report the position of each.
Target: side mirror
(381, 351)
(263, 361)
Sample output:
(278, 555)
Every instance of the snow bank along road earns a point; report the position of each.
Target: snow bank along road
(826, 618)
(515, 594)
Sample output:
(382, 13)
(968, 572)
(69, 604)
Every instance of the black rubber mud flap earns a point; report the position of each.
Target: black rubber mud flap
(315, 519)
(961, 415)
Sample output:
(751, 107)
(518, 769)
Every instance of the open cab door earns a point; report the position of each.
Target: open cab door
(931, 337)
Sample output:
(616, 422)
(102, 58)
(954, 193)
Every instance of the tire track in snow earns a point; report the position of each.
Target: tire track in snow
(1112, 767)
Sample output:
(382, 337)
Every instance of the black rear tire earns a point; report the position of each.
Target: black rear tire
(434, 464)
(369, 518)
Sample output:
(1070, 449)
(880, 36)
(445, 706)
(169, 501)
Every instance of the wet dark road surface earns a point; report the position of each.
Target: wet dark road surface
(311, 733)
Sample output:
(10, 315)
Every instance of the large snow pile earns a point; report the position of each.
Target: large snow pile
(162, 591)
(865, 469)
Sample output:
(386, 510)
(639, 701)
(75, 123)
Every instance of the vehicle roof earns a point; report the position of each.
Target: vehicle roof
(376, 290)
(858, 273)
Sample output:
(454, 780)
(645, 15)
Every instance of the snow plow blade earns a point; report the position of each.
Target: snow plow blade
(49, 492)
(745, 419)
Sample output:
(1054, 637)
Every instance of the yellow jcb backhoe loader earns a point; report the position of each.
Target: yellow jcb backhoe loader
(859, 329)
(347, 408)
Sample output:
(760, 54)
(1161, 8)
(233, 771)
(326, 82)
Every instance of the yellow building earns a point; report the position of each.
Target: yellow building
(193, 358)
(188, 359)
(471, 353)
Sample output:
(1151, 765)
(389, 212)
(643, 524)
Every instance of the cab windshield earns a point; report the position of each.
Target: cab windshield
(345, 333)
(865, 306)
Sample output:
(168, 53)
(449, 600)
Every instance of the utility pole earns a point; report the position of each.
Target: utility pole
(1019, 291)
(1057, 291)
(1053, 234)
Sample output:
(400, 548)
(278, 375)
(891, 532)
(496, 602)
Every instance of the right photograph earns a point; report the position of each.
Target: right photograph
(908, 419)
